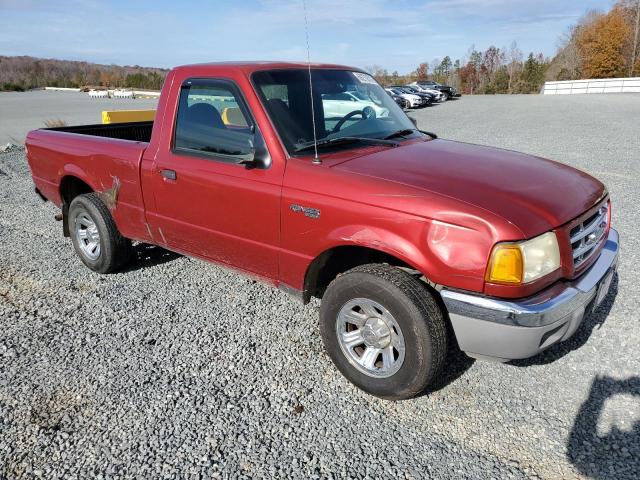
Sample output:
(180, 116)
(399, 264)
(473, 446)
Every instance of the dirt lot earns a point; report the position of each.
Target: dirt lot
(178, 368)
(24, 111)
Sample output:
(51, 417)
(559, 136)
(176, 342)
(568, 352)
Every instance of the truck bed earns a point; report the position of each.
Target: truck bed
(106, 158)
(135, 131)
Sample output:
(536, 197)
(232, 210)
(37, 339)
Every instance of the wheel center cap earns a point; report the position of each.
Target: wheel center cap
(376, 333)
(92, 234)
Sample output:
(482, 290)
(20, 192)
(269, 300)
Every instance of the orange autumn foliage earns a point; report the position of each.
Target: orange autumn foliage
(602, 45)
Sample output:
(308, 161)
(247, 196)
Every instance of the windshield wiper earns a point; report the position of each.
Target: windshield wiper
(401, 133)
(408, 131)
(344, 141)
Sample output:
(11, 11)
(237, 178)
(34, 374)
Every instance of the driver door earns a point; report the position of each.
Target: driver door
(206, 203)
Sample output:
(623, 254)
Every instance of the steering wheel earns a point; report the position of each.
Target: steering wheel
(366, 113)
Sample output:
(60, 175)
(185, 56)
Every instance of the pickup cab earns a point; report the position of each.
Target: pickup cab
(414, 244)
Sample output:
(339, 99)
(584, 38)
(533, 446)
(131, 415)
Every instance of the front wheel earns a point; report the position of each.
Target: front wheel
(383, 330)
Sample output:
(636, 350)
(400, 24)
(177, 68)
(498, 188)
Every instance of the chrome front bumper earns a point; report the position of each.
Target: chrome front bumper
(502, 330)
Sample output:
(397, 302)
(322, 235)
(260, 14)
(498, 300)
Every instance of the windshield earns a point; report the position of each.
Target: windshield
(347, 104)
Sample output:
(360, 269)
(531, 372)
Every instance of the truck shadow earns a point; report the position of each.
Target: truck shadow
(456, 364)
(616, 452)
(580, 337)
(145, 255)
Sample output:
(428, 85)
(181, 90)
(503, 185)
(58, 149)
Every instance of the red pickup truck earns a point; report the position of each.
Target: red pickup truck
(413, 243)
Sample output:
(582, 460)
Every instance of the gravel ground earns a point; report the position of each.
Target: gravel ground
(24, 111)
(177, 368)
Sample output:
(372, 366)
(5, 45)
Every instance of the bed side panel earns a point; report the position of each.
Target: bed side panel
(111, 167)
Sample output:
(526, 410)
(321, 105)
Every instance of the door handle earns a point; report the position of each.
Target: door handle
(168, 174)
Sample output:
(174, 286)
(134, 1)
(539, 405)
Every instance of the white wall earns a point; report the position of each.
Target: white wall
(146, 93)
(62, 89)
(605, 85)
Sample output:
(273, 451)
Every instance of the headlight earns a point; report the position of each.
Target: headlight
(524, 262)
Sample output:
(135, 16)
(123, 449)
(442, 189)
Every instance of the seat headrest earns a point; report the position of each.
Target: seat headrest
(233, 116)
(204, 114)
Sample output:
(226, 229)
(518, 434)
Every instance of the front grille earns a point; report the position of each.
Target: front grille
(587, 236)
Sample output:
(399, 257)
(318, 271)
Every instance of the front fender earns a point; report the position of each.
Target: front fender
(445, 253)
(383, 240)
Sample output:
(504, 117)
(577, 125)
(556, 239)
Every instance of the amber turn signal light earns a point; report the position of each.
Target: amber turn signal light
(506, 265)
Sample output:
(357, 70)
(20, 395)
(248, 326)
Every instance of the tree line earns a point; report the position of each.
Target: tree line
(24, 73)
(600, 45)
(496, 70)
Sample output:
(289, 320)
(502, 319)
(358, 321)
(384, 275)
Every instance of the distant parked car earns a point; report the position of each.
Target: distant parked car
(401, 102)
(429, 99)
(361, 97)
(450, 92)
(339, 104)
(415, 101)
(437, 94)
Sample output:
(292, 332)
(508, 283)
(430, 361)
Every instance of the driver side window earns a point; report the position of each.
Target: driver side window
(212, 120)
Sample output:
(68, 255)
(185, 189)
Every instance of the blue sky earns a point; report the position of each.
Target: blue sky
(396, 35)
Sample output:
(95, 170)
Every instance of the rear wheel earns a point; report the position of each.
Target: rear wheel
(95, 236)
(383, 330)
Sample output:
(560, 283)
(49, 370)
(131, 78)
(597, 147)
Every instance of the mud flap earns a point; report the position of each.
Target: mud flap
(65, 219)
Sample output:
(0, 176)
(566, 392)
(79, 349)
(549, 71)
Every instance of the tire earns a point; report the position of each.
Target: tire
(406, 320)
(101, 247)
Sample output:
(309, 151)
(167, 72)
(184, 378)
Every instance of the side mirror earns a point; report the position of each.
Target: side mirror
(258, 156)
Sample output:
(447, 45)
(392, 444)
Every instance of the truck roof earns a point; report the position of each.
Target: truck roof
(253, 66)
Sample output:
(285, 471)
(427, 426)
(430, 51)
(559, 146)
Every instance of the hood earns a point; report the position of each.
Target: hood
(532, 193)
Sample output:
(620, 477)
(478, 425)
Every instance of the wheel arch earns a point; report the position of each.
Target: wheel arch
(70, 187)
(338, 259)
